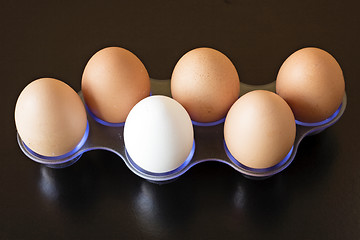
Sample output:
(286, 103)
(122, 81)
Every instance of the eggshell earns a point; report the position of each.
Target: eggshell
(206, 83)
(312, 83)
(114, 80)
(259, 129)
(158, 134)
(50, 117)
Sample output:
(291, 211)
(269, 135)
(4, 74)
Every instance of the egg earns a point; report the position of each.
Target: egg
(206, 83)
(50, 117)
(113, 81)
(158, 134)
(312, 83)
(259, 129)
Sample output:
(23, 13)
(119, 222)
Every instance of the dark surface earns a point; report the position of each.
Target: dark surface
(317, 197)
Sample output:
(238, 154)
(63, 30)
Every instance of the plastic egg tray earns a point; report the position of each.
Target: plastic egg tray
(209, 144)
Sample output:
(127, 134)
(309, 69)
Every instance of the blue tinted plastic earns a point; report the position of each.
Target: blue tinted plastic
(208, 142)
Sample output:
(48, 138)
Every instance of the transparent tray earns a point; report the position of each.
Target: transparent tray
(209, 142)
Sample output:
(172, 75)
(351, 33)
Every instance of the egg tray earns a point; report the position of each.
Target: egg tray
(208, 141)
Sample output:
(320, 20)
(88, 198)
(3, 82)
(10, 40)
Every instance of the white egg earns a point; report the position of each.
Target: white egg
(158, 134)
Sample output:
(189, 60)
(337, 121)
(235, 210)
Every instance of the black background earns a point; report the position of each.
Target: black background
(317, 197)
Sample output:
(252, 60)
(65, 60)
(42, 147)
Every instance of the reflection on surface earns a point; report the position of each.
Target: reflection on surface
(147, 210)
(70, 188)
(267, 203)
(47, 184)
(210, 194)
(146, 201)
(162, 209)
(239, 197)
(262, 199)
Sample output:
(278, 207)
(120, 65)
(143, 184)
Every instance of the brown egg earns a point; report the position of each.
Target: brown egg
(50, 117)
(312, 83)
(114, 80)
(206, 83)
(259, 129)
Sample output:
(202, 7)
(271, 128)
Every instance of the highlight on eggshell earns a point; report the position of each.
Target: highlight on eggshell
(311, 81)
(50, 117)
(206, 83)
(113, 81)
(158, 134)
(259, 129)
